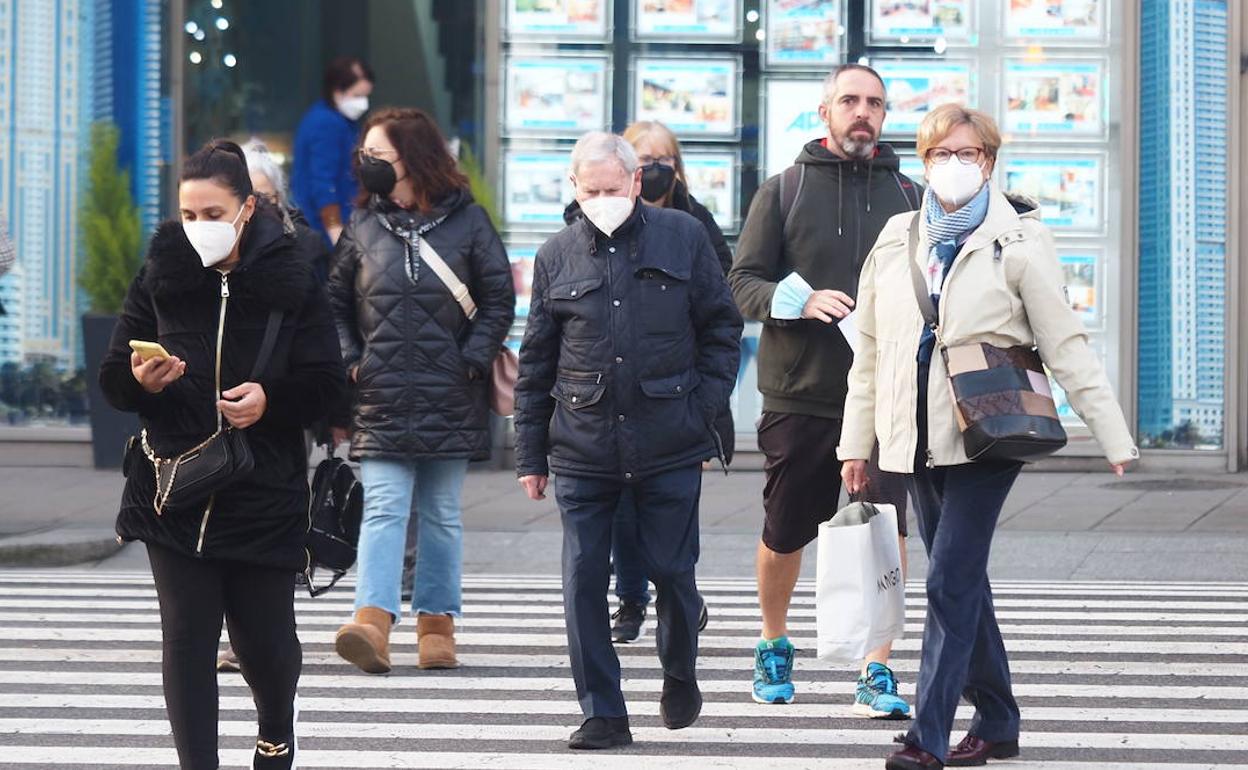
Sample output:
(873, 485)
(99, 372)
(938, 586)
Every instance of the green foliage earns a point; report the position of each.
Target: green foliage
(482, 191)
(112, 231)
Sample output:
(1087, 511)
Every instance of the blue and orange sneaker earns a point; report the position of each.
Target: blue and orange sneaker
(877, 695)
(773, 669)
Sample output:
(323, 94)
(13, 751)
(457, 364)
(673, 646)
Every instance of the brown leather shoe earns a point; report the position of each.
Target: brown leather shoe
(435, 635)
(365, 641)
(912, 758)
(974, 751)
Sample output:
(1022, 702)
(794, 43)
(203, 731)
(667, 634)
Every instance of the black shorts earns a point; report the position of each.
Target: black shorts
(803, 486)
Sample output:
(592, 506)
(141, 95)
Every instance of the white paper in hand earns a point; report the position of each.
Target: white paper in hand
(849, 329)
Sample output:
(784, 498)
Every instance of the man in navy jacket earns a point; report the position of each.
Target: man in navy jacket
(630, 352)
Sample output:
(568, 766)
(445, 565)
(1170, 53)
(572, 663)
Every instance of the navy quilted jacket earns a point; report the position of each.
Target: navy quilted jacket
(411, 340)
(630, 351)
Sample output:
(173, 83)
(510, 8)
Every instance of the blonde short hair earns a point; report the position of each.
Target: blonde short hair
(942, 121)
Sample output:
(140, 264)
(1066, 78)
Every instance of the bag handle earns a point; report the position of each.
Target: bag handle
(271, 330)
(445, 274)
(921, 291)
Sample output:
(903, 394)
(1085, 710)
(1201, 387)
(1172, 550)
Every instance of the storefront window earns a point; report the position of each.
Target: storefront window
(740, 84)
(1183, 227)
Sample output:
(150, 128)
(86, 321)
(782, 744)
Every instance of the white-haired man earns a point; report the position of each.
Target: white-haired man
(630, 352)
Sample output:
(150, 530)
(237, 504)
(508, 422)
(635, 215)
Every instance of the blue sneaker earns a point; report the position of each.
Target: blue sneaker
(773, 667)
(877, 695)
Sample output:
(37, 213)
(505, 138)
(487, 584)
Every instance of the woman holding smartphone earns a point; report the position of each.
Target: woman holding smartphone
(206, 294)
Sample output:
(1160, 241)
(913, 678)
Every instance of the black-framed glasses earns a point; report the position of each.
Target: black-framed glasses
(967, 155)
(666, 160)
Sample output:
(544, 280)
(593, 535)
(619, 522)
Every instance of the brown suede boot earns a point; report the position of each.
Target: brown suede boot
(365, 641)
(435, 635)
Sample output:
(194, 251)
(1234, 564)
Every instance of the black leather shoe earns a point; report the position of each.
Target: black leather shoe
(630, 621)
(912, 758)
(680, 704)
(974, 751)
(601, 733)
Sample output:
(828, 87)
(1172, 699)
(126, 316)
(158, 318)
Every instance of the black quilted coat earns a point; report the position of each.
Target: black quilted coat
(415, 397)
(263, 518)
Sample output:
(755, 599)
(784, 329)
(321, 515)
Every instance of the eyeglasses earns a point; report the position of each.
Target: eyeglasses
(368, 152)
(666, 160)
(968, 156)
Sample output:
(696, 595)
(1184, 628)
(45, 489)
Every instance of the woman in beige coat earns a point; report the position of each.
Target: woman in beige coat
(993, 274)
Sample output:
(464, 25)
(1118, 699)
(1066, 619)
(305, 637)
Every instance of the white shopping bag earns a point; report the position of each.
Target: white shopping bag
(860, 597)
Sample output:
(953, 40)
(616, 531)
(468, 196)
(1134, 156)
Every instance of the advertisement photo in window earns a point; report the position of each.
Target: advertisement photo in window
(1069, 189)
(694, 21)
(803, 33)
(564, 96)
(1055, 98)
(915, 87)
(557, 19)
(536, 188)
(693, 97)
(913, 21)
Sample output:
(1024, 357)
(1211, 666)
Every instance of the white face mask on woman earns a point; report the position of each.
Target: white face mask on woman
(352, 107)
(955, 182)
(213, 241)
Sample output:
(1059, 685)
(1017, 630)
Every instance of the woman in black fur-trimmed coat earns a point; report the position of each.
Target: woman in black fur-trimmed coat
(206, 290)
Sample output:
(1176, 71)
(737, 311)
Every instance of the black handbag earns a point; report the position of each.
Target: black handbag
(1002, 398)
(218, 461)
(336, 513)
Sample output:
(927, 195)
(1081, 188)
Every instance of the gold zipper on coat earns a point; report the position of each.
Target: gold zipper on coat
(225, 299)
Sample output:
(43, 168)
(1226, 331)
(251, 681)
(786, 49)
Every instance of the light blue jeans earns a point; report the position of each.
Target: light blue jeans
(389, 486)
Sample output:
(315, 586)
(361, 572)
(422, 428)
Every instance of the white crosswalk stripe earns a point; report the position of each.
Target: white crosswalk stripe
(1109, 675)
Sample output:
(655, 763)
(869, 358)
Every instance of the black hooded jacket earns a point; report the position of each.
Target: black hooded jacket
(841, 208)
(422, 385)
(174, 300)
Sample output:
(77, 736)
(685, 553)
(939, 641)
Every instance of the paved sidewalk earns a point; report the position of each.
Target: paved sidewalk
(1055, 526)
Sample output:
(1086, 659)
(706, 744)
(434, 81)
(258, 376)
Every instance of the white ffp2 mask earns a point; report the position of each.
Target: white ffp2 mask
(955, 182)
(608, 212)
(353, 106)
(213, 241)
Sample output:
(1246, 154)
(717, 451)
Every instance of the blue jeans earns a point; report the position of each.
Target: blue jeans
(389, 486)
(631, 583)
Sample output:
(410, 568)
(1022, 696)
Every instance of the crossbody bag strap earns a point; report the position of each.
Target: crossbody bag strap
(921, 291)
(445, 274)
(271, 330)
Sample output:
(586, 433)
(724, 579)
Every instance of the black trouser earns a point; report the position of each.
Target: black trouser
(667, 532)
(195, 594)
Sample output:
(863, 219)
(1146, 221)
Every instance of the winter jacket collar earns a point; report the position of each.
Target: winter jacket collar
(814, 153)
(271, 271)
(456, 200)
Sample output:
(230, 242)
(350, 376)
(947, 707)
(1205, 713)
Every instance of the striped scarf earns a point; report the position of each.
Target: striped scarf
(947, 229)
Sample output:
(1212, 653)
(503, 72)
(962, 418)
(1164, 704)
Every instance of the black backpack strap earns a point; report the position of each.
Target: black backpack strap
(792, 179)
(271, 330)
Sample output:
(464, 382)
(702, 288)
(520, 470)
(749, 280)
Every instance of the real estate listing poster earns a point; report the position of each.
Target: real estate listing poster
(693, 21)
(915, 87)
(907, 21)
(693, 97)
(1055, 20)
(712, 180)
(1068, 188)
(535, 188)
(1062, 98)
(802, 33)
(557, 96)
(557, 19)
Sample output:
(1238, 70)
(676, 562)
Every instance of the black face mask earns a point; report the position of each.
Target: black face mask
(656, 181)
(377, 176)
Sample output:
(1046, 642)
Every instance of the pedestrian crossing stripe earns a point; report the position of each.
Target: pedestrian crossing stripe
(1147, 676)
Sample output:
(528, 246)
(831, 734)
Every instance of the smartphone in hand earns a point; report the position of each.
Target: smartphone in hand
(149, 350)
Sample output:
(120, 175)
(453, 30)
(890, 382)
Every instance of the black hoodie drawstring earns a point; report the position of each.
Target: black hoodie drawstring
(840, 197)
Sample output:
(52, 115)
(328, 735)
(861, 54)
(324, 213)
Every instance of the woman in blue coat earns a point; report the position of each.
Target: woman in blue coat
(322, 182)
